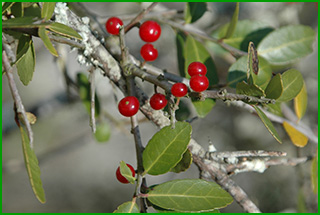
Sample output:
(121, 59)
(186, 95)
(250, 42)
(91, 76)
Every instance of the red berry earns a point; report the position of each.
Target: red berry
(128, 106)
(199, 83)
(148, 52)
(179, 90)
(113, 25)
(158, 101)
(197, 68)
(121, 178)
(150, 31)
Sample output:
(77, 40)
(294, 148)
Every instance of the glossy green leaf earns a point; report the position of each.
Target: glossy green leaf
(47, 10)
(26, 65)
(84, 93)
(6, 6)
(301, 102)
(189, 195)
(126, 172)
(166, 147)
(249, 90)
(194, 11)
(180, 42)
(43, 34)
(184, 163)
(245, 31)
(266, 121)
(275, 87)
(238, 73)
(32, 166)
(203, 107)
(314, 174)
(17, 9)
(128, 207)
(195, 51)
(162, 210)
(232, 25)
(23, 22)
(103, 132)
(292, 84)
(64, 30)
(287, 44)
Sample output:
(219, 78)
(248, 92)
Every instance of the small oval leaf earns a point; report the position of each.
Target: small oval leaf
(103, 132)
(203, 107)
(266, 121)
(249, 90)
(32, 166)
(26, 65)
(194, 11)
(297, 138)
(43, 34)
(287, 44)
(127, 207)
(126, 172)
(301, 102)
(189, 195)
(64, 30)
(275, 87)
(166, 147)
(292, 84)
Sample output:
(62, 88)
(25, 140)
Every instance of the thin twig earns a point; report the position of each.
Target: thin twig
(92, 100)
(139, 17)
(15, 94)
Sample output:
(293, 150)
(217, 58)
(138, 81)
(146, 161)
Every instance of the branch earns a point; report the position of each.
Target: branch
(139, 17)
(14, 91)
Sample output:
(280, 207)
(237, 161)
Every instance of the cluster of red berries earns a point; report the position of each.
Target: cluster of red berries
(121, 178)
(149, 32)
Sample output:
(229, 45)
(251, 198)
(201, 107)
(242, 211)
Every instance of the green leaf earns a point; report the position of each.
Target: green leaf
(189, 195)
(292, 84)
(287, 44)
(253, 63)
(84, 93)
(43, 34)
(128, 207)
(249, 90)
(17, 9)
(162, 210)
(184, 163)
(238, 73)
(275, 108)
(32, 166)
(275, 87)
(195, 51)
(245, 31)
(232, 25)
(203, 107)
(126, 172)
(23, 46)
(180, 42)
(301, 206)
(64, 30)
(32, 9)
(314, 174)
(47, 10)
(6, 6)
(301, 102)
(103, 132)
(166, 147)
(194, 11)
(266, 121)
(26, 65)
(23, 22)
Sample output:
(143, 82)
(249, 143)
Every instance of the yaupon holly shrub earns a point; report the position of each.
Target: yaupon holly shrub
(246, 64)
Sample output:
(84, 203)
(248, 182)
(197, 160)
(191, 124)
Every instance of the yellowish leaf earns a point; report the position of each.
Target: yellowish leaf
(297, 138)
(300, 102)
